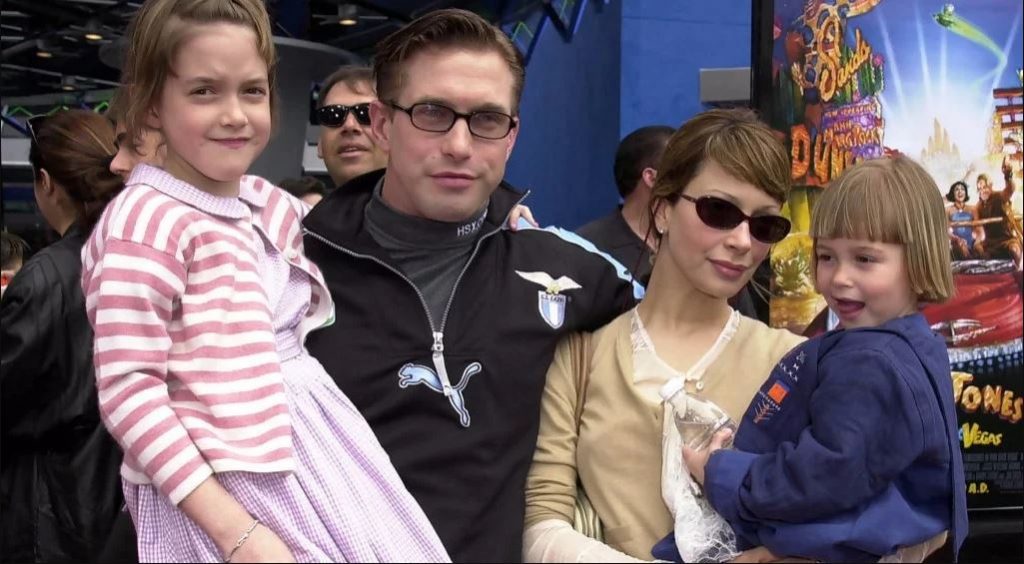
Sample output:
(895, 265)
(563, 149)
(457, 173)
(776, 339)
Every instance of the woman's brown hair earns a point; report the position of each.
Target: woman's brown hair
(737, 140)
(75, 148)
(156, 33)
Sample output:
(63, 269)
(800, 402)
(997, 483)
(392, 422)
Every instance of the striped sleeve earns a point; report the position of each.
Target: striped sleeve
(133, 290)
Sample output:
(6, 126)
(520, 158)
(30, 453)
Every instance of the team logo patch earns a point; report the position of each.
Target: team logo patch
(550, 301)
(412, 374)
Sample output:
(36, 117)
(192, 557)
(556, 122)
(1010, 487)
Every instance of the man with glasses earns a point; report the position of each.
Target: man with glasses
(346, 146)
(447, 320)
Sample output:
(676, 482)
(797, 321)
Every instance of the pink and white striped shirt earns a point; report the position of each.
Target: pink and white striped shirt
(186, 362)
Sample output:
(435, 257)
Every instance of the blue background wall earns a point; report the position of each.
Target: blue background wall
(665, 43)
(631, 63)
(570, 120)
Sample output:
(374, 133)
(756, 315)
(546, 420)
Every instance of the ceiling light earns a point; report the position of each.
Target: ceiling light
(93, 30)
(347, 14)
(43, 49)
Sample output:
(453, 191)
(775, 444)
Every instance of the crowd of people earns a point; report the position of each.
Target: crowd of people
(404, 367)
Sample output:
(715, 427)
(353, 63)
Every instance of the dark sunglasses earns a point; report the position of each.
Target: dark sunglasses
(34, 123)
(717, 213)
(335, 114)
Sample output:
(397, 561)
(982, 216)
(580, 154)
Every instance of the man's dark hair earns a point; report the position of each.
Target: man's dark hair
(299, 187)
(443, 29)
(637, 151)
(358, 78)
(12, 250)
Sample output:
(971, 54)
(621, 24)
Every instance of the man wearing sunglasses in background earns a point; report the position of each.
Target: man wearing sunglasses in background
(346, 146)
(447, 320)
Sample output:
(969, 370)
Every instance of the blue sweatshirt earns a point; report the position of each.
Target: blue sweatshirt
(849, 450)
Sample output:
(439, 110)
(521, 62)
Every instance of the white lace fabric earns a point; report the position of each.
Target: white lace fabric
(701, 534)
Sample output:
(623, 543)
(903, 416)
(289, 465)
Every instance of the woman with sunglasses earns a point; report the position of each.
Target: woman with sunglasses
(60, 487)
(715, 211)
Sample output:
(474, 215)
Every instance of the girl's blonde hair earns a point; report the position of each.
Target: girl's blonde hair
(891, 200)
(155, 35)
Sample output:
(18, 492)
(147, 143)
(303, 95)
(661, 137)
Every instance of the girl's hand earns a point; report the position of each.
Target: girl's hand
(263, 545)
(521, 212)
(696, 460)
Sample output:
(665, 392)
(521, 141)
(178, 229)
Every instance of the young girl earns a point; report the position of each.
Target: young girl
(849, 452)
(238, 446)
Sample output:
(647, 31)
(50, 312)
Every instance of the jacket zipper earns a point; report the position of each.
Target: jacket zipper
(437, 335)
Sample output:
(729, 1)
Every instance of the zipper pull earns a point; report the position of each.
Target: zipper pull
(438, 357)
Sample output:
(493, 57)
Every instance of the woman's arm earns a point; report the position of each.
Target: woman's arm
(551, 482)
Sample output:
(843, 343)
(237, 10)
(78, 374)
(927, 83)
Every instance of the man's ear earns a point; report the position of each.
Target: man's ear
(381, 120)
(512, 135)
(649, 176)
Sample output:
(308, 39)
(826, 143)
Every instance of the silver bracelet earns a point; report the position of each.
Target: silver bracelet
(242, 539)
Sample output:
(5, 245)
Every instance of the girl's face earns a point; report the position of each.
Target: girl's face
(715, 262)
(864, 282)
(959, 194)
(214, 111)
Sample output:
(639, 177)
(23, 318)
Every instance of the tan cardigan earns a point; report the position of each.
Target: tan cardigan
(618, 451)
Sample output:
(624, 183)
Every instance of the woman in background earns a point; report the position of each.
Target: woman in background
(59, 482)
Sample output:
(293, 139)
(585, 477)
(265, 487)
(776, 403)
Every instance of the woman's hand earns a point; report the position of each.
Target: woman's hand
(758, 554)
(263, 545)
(696, 460)
(521, 212)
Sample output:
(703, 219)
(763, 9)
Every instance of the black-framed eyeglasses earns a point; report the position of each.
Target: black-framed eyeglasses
(717, 213)
(437, 118)
(334, 115)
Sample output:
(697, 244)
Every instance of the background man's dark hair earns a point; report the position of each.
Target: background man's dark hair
(637, 151)
(12, 250)
(358, 78)
(299, 187)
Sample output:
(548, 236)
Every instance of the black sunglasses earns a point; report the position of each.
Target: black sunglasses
(335, 114)
(34, 123)
(717, 213)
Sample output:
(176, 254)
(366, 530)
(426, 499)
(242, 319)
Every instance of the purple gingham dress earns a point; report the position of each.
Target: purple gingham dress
(344, 502)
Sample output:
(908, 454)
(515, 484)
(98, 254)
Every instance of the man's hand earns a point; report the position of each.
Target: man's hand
(696, 460)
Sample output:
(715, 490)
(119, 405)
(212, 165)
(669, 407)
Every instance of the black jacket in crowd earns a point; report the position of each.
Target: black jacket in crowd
(60, 486)
(464, 457)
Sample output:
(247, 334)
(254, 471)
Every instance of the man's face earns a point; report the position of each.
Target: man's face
(149, 150)
(445, 176)
(984, 188)
(349, 150)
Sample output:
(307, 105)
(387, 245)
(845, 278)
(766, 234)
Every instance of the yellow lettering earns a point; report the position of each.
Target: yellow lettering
(971, 399)
(801, 151)
(1018, 411)
(820, 155)
(1006, 409)
(960, 379)
(994, 397)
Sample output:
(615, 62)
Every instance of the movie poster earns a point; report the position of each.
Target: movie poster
(941, 83)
